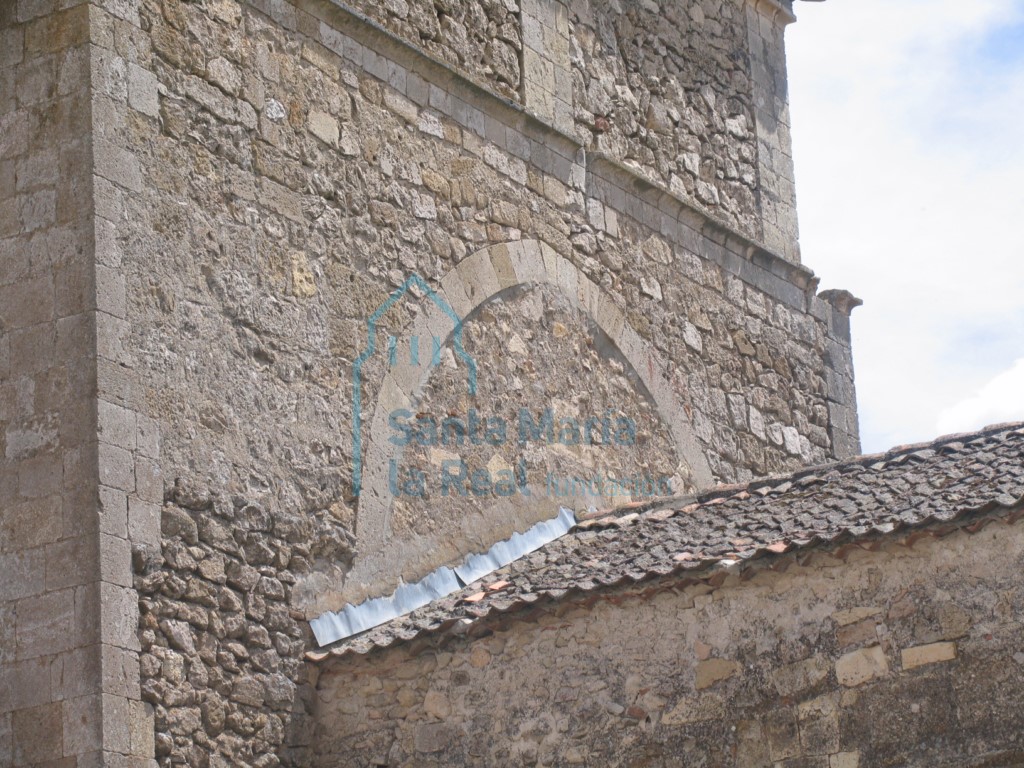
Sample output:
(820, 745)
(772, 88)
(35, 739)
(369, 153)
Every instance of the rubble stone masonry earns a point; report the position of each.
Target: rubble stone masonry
(202, 204)
(903, 653)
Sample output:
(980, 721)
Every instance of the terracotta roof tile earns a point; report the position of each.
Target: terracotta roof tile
(921, 486)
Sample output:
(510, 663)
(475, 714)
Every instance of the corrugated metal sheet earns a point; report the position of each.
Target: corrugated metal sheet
(505, 552)
(353, 619)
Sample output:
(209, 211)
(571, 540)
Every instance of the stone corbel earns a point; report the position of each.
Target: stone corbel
(842, 301)
(774, 10)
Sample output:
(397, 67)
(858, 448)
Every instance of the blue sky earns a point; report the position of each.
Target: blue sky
(908, 131)
(1005, 44)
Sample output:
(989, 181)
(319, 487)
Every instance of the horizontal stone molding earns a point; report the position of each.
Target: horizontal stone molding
(686, 225)
(368, 33)
(841, 300)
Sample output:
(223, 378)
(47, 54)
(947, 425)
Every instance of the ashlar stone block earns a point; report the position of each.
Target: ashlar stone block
(860, 666)
(933, 653)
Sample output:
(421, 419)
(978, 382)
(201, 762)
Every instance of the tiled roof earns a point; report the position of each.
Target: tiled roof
(950, 480)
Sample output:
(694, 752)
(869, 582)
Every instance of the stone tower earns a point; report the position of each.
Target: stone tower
(302, 298)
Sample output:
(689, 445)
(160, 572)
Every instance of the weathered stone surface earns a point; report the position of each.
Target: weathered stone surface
(52, 555)
(802, 676)
(480, 38)
(231, 651)
(858, 667)
(713, 671)
(662, 87)
(927, 654)
(842, 618)
(629, 696)
(695, 710)
(201, 204)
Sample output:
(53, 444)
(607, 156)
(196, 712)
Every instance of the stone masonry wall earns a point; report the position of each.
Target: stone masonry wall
(49, 637)
(202, 205)
(221, 660)
(744, 358)
(692, 96)
(875, 655)
(79, 477)
(533, 350)
(666, 88)
(770, 101)
(481, 38)
(290, 166)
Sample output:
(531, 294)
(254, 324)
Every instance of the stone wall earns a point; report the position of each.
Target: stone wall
(203, 205)
(481, 39)
(295, 168)
(889, 653)
(694, 96)
(666, 88)
(534, 353)
(742, 344)
(766, 20)
(297, 179)
(49, 639)
(79, 480)
(221, 660)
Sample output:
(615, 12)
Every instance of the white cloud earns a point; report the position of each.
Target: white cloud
(1000, 400)
(906, 130)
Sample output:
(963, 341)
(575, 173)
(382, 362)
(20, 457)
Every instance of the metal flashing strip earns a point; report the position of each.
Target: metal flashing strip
(352, 619)
(509, 550)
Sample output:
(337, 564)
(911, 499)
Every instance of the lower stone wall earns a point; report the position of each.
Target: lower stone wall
(881, 654)
(221, 650)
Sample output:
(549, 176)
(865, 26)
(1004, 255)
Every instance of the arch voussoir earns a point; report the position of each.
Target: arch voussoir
(471, 283)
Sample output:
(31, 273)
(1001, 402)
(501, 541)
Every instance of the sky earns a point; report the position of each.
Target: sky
(908, 133)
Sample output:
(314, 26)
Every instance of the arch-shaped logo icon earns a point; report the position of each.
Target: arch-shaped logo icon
(437, 344)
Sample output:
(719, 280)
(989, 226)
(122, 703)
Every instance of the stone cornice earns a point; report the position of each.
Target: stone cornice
(843, 301)
(787, 281)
